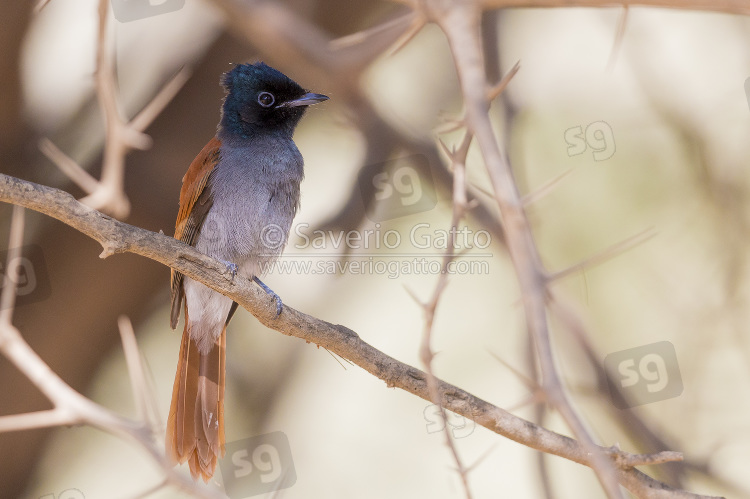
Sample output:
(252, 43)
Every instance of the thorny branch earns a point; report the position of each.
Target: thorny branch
(460, 206)
(461, 23)
(108, 194)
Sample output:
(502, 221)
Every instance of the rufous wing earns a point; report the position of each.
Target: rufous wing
(195, 201)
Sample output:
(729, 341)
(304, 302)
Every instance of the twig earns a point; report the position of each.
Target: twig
(40, 4)
(416, 26)
(68, 166)
(460, 205)
(143, 395)
(121, 136)
(622, 22)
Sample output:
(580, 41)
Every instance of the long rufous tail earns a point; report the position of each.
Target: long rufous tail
(195, 427)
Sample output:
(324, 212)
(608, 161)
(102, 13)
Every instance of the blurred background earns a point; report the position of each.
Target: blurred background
(651, 134)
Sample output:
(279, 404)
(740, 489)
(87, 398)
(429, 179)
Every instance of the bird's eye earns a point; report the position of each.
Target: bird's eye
(266, 99)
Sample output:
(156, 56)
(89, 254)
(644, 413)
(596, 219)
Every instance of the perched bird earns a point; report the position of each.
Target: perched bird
(237, 203)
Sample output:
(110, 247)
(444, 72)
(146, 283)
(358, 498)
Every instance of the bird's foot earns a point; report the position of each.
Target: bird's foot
(273, 295)
(231, 268)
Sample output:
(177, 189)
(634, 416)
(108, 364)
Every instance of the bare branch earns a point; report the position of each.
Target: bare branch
(120, 237)
(460, 205)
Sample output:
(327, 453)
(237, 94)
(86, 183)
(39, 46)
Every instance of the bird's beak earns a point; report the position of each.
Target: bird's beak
(305, 100)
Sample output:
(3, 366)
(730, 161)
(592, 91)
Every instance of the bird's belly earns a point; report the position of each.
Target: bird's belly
(248, 230)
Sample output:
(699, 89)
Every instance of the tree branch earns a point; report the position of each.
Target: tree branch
(119, 237)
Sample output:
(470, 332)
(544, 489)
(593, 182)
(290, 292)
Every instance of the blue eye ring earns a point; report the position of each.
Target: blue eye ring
(266, 99)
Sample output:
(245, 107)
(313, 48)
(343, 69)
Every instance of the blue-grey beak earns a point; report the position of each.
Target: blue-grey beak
(306, 100)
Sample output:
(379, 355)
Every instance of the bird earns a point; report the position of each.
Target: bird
(237, 202)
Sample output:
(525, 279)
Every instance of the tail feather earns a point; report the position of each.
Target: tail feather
(195, 427)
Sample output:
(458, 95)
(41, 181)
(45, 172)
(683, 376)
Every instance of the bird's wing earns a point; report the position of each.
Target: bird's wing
(195, 201)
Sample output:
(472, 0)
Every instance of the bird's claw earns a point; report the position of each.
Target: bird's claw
(231, 268)
(279, 304)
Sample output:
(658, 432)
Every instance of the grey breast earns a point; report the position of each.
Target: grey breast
(256, 193)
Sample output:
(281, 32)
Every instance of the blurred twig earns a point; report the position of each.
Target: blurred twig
(40, 4)
(729, 6)
(619, 36)
(460, 206)
(108, 194)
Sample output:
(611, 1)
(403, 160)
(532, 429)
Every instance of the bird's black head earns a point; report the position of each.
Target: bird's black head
(261, 100)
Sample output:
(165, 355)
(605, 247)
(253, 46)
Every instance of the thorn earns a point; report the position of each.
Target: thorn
(445, 148)
(414, 297)
(493, 92)
(453, 125)
(606, 255)
(530, 383)
(545, 189)
(336, 358)
(111, 248)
